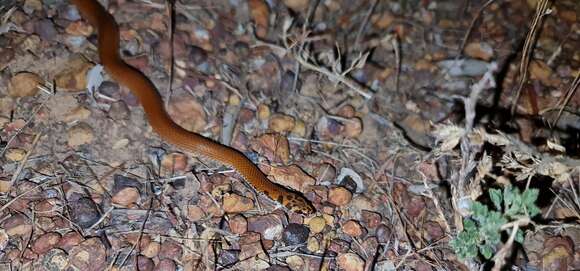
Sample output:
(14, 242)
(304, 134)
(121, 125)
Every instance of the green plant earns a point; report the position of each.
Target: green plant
(482, 231)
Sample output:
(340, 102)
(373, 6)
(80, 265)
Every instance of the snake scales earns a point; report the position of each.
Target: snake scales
(162, 124)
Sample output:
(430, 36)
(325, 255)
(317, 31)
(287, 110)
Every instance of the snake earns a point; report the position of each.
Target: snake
(108, 50)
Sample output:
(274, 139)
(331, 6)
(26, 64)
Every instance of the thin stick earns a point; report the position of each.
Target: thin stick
(24, 160)
(23, 194)
(170, 7)
(32, 116)
(569, 94)
(334, 77)
(471, 26)
(541, 10)
(364, 23)
(502, 253)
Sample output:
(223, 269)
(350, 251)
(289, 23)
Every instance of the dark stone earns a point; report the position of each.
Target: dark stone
(84, 212)
(295, 234)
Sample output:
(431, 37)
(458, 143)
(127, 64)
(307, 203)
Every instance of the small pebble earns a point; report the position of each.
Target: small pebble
(327, 128)
(299, 129)
(6, 57)
(120, 144)
(325, 172)
(339, 246)
(175, 161)
(29, 254)
(84, 212)
(170, 250)
(263, 112)
(233, 203)
(353, 127)
(269, 226)
(15, 155)
(187, 112)
(17, 225)
(350, 262)
(119, 111)
(292, 176)
(352, 228)
(111, 90)
(339, 196)
(194, 213)
(73, 75)
(371, 219)
(297, 5)
(5, 185)
(151, 250)
(197, 55)
(80, 134)
(370, 244)
(466, 67)
(313, 245)
(295, 262)
(69, 240)
(557, 253)
(126, 197)
(31, 6)
(79, 29)
(273, 146)
(55, 260)
(347, 111)
(45, 29)
(295, 234)
(383, 233)
(228, 257)
(24, 84)
(69, 12)
(415, 207)
(317, 224)
(479, 50)
(7, 104)
(76, 114)
(90, 255)
(238, 224)
(144, 263)
(281, 123)
(48, 207)
(260, 12)
(165, 265)
(432, 231)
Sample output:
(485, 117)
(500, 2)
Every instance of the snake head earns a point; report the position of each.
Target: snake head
(299, 204)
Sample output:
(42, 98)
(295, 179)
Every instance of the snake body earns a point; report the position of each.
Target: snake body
(161, 122)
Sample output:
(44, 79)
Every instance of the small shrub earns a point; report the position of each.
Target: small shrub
(482, 231)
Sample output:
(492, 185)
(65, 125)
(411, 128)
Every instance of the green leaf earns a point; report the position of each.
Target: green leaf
(469, 225)
(480, 211)
(515, 205)
(533, 210)
(508, 196)
(530, 196)
(486, 250)
(495, 219)
(465, 244)
(520, 236)
(482, 232)
(496, 198)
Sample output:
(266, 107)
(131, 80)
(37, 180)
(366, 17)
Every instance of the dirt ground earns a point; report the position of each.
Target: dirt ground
(406, 124)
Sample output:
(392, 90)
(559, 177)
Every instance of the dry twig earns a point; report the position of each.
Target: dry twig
(569, 94)
(542, 9)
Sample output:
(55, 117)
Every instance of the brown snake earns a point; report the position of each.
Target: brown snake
(168, 130)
